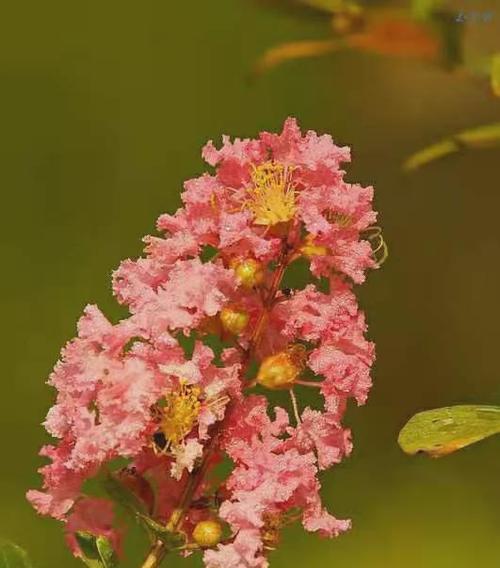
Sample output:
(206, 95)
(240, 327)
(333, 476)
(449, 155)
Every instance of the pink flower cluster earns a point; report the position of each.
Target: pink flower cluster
(135, 389)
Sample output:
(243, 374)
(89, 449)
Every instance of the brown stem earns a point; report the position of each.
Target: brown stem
(268, 302)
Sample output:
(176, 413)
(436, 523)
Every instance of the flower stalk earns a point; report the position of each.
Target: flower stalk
(132, 391)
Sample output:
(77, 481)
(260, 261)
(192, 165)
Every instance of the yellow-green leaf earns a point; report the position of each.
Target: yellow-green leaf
(480, 137)
(442, 431)
(495, 74)
(13, 556)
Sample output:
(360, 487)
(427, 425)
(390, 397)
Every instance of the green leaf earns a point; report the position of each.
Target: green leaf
(106, 552)
(86, 542)
(442, 431)
(495, 74)
(13, 556)
(97, 551)
(480, 137)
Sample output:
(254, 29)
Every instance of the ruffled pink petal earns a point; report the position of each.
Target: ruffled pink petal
(185, 456)
(322, 433)
(245, 552)
(344, 374)
(316, 519)
(193, 291)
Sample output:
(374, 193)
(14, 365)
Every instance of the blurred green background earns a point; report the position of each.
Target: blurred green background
(105, 106)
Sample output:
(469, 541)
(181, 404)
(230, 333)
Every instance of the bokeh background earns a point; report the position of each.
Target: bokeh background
(104, 109)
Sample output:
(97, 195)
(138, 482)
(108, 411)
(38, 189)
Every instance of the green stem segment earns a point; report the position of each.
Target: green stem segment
(155, 556)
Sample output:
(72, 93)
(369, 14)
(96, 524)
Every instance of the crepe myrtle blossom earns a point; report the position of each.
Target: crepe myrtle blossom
(149, 406)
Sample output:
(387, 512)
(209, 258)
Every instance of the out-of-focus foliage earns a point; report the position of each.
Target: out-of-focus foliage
(480, 137)
(13, 556)
(442, 431)
(428, 30)
(417, 32)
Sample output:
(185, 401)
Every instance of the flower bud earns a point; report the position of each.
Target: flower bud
(310, 249)
(279, 371)
(249, 272)
(207, 533)
(234, 320)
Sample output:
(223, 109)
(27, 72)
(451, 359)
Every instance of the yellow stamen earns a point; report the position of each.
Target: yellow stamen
(272, 197)
(180, 413)
(341, 219)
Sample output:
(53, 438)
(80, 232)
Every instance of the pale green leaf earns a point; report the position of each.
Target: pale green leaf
(13, 556)
(442, 431)
(495, 74)
(97, 551)
(480, 137)
(90, 555)
(107, 554)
